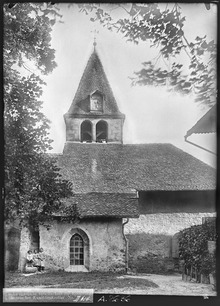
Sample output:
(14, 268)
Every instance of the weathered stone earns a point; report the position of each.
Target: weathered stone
(25, 244)
(30, 269)
(11, 248)
(115, 129)
(105, 242)
(153, 239)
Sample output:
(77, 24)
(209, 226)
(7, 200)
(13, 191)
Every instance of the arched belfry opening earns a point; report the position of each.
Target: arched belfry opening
(102, 131)
(86, 131)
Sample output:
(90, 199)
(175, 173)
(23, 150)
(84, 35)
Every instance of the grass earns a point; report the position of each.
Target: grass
(94, 280)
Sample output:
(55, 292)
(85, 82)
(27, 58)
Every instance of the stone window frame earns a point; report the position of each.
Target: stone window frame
(86, 245)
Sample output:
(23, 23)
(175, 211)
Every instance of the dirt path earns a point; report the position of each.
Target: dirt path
(168, 285)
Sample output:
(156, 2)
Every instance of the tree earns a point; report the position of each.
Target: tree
(33, 186)
(164, 29)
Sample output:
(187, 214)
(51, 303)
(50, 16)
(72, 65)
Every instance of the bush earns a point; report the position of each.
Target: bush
(208, 265)
(193, 247)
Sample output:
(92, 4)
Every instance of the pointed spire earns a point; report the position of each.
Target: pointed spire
(93, 79)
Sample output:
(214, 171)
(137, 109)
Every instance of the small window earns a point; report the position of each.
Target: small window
(96, 102)
(76, 250)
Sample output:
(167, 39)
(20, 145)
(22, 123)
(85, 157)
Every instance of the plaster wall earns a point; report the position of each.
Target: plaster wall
(115, 128)
(152, 239)
(25, 245)
(106, 244)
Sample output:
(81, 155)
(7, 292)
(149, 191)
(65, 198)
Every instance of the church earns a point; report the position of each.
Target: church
(132, 199)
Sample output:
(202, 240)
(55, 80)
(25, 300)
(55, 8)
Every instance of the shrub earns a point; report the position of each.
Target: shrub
(193, 247)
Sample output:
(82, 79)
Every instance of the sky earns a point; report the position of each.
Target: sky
(152, 113)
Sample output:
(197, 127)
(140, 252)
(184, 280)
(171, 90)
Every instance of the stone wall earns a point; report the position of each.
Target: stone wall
(11, 247)
(115, 128)
(152, 239)
(106, 244)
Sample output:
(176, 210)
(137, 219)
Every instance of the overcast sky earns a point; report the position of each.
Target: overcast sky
(152, 114)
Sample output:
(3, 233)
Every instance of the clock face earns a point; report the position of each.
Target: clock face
(96, 102)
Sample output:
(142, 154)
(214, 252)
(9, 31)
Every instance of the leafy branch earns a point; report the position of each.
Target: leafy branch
(164, 29)
(33, 185)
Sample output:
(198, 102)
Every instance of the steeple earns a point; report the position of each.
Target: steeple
(94, 115)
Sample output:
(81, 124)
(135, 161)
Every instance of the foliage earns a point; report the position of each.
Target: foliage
(193, 246)
(208, 264)
(27, 28)
(164, 29)
(33, 186)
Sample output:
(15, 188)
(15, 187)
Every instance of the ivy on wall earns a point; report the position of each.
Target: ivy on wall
(193, 247)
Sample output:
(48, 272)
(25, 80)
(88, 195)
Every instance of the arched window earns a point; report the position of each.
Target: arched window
(86, 131)
(76, 250)
(101, 131)
(79, 251)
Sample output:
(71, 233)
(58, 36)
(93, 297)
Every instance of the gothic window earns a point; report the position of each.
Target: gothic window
(76, 250)
(101, 131)
(86, 131)
(96, 102)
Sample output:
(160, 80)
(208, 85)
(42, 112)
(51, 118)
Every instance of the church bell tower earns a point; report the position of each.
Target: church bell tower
(94, 116)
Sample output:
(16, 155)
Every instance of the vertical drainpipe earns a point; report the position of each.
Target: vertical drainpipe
(126, 245)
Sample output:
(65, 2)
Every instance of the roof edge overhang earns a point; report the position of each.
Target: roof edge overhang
(205, 124)
(178, 190)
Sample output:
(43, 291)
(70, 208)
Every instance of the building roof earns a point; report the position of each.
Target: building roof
(93, 78)
(105, 205)
(116, 168)
(206, 124)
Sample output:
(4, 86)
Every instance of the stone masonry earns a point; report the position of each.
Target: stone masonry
(115, 129)
(152, 239)
(106, 244)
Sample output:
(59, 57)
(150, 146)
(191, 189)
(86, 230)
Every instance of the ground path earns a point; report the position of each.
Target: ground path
(167, 285)
(113, 283)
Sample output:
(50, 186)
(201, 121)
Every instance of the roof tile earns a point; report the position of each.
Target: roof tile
(105, 205)
(93, 78)
(116, 168)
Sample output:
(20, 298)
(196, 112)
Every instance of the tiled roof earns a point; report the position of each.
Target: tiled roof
(105, 205)
(206, 124)
(93, 78)
(116, 168)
